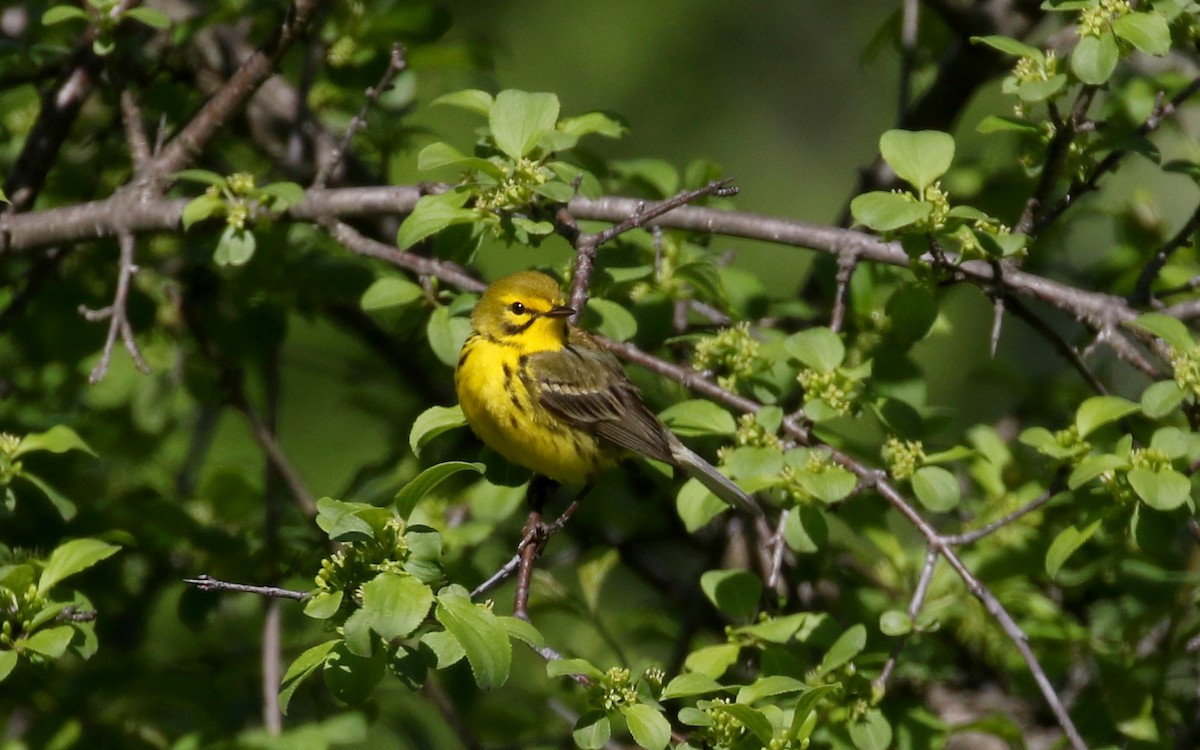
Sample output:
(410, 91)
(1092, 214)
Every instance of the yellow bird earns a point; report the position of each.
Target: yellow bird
(545, 395)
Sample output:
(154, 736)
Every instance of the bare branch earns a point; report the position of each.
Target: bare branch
(190, 141)
(115, 314)
(585, 245)
(208, 583)
(1141, 291)
(914, 608)
(396, 65)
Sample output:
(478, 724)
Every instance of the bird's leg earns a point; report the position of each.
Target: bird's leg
(533, 539)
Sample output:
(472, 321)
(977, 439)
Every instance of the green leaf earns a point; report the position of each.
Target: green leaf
(1093, 466)
(152, 17)
(805, 529)
(1065, 544)
(895, 622)
(445, 647)
(689, 684)
(432, 214)
(60, 13)
(483, 638)
(1161, 399)
(598, 123)
(203, 176)
(848, 645)
(660, 176)
(911, 312)
(734, 592)
(523, 631)
(1095, 58)
(390, 291)
(66, 509)
(937, 489)
(304, 665)
(446, 334)
(712, 661)
(72, 557)
(697, 505)
(650, 729)
(817, 348)
(395, 605)
(433, 422)
(284, 194)
(887, 212)
(519, 119)
(1010, 46)
(614, 320)
(571, 667)
(1101, 410)
(919, 158)
(698, 417)
(1170, 330)
(1039, 90)
(805, 706)
(1172, 441)
(768, 687)
(411, 665)
(57, 439)
(592, 731)
(999, 124)
(424, 553)
(1165, 489)
(472, 100)
(235, 247)
(351, 678)
(871, 731)
(592, 572)
(440, 154)
(201, 208)
(324, 605)
(753, 719)
(1146, 31)
(829, 485)
(50, 642)
(423, 483)
(8, 662)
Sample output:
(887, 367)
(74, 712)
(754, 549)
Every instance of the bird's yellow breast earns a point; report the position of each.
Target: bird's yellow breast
(507, 418)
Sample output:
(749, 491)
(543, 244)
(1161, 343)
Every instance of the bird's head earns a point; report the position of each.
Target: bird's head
(527, 309)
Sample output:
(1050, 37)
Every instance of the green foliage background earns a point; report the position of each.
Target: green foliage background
(791, 100)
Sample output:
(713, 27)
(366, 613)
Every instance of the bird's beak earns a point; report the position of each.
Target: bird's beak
(559, 311)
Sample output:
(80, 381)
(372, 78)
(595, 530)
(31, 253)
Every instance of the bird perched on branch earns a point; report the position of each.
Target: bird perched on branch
(544, 394)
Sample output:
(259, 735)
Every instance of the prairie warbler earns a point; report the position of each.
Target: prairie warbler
(544, 394)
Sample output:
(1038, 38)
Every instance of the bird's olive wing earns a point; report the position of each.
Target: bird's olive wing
(585, 387)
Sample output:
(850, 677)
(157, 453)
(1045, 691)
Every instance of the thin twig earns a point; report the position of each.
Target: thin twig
(914, 608)
(115, 314)
(1068, 352)
(777, 544)
(266, 440)
(396, 65)
(909, 25)
(1110, 162)
(1141, 290)
(586, 244)
(208, 583)
(970, 537)
(135, 134)
(847, 262)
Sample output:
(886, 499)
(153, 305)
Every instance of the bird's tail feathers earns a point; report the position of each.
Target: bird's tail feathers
(716, 482)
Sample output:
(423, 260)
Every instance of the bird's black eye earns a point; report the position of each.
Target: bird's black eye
(517, 308)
